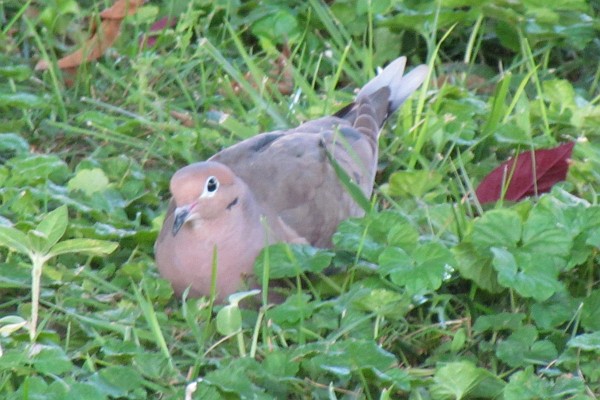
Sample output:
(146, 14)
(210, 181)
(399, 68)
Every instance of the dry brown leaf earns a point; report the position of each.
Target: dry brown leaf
(103, 36)
(121, 9)
(280, 73)
(93, 49)
(32, 12)
(283, 72)
(185, 118)
(464, 74)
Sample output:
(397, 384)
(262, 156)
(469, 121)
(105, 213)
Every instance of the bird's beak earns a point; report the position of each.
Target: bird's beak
(181, 216)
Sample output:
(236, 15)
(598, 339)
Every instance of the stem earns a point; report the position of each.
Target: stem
(376, 327)
(241, 344)
(254, 345)
(37, 261)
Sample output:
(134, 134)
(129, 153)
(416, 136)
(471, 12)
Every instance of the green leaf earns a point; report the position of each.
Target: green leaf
(590, 312)
(235, 298)
(51, 360)
(37, 169)
(400, 232)
(498, 106)
(526, 385)
(352, 236)
(88, 391)
(455, 380)
(14, 274)
(377, 7)
(542, 235)
(155, 363)
(68, 7)
(288, 260)
(22, 101)
(506, 265)
(458, 341)
(512, 350)
(521, 348)
(32, 387)
(13, 143)
(16, 72)
(530, 275)
(420, 271)
(229, 320)
(53, 226)
(586, 341)
(390, 304)
(541, 352)
(295, 308)
(368, 236)
(14, 239)
(489, 387)
(117, 381)
(476, 265)
(11, 324)
(582, 248)
(345, 357)
(233, 380)
(393, 260)
(499, 228)
(498, 322)
(38, 242)
(92, 247)
(281, 364)
(56, 390)
(559, 91)
(89, 181)
(557, 310)
(413, 183)
(278, 24)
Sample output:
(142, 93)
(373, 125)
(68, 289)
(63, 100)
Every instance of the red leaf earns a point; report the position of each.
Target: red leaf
(551, 166)
(164, 22)
(150, 39)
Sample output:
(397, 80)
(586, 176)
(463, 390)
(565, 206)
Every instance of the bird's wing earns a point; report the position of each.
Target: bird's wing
(290, 174)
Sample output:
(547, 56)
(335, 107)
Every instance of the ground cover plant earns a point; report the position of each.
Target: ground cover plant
(446, 289)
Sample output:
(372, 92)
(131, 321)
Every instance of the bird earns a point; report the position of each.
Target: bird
(278, 186)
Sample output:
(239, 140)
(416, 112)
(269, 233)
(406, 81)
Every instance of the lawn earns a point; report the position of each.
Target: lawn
(459, 282)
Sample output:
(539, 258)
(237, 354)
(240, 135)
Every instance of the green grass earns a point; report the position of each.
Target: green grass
(430, 296)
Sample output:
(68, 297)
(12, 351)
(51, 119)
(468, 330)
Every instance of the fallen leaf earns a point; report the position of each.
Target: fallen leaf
(520, 179)
(149, 39)
(93, 49)
(185, 118)
(280, 73)
(121, 9)
(477, 78)
(102, 38)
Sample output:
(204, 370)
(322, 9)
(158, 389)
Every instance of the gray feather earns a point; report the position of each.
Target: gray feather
(288, 171)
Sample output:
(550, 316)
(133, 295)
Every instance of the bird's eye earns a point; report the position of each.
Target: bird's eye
(212, 184)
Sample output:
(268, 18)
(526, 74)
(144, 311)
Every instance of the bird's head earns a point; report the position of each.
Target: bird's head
(203, 191)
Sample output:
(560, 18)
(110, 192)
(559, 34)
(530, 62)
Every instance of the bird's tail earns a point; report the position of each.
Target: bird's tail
(401, 86)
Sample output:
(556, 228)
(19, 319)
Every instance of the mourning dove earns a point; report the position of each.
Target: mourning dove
(278, 186)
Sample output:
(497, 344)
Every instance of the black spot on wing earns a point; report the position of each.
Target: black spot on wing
(265, 141)
(350, 134)
(344, 111)
(233, 203)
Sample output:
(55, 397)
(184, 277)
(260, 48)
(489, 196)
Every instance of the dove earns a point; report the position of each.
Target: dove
(279, 186)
